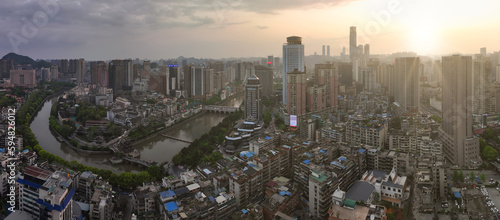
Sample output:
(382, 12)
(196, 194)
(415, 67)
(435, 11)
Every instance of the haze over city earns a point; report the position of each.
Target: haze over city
(236, 28)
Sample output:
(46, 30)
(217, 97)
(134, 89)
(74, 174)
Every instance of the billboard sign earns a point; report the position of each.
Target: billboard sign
(293, 121)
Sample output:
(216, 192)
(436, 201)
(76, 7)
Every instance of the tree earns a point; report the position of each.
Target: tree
(488, 134)
(155, 172)
(396, 123)
(489, 153)
(472, 176)
(482, 177)
(455, 177)
(461, 176)
(376, 198)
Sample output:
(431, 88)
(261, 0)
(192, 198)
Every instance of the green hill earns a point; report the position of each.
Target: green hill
(24, 60)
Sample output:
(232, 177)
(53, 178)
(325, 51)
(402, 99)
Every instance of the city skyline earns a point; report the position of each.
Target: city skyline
(153, 30)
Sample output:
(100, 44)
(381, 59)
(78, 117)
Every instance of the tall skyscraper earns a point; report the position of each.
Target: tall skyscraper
(353, 48)
(296, 92)
(174, 81)
(197, 83)
(345, 73)
(5, 67)
(326, 75)
(208, 80)
(115, 80)
(54, 72)
(407, 79)
(483, 51)
(328, 50)
(367, 51)
(481, 72)
(265, 75)
(270, 61)
(187, 80)
(316, 98)
(324, 50)
(293, 58)
(253, 108)
(460, 145)
(46, 74)
(72, 66)
(94, 79)
(128, 78)
(79, 68)
(63, 66)
(369, 78)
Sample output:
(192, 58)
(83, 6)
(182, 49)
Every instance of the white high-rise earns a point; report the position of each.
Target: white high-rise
(460, 145)
(293, 58)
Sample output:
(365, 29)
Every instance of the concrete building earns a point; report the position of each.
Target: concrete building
(368, 77)
(460, 145)
(54, 73)
(253, 106)
(46, 76)
(23, 78)
(197, 84)
(320, 192)
(406, 91)
(368, 132)
(208, 80)
(481, 72)
(5, 67)
(265, 75)
(174, 78)
(46, 195)
(293, 58)
(326, 75)
(296, 92)
(353, 43)
(316, 98)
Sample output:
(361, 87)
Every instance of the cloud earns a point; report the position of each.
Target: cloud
(83, 22)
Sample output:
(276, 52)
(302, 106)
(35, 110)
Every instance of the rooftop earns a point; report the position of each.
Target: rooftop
(360, 191)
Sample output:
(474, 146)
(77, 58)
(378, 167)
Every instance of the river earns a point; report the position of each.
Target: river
(159, 149)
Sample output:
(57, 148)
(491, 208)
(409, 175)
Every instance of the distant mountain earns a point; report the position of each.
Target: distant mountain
(24, 60)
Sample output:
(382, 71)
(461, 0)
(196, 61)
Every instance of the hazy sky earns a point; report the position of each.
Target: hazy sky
(154, 29)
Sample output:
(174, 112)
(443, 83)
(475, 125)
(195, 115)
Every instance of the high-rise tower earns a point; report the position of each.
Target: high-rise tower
(460, 145)
(353, 46)
(253, 109)
(406, 72)
(293, 58)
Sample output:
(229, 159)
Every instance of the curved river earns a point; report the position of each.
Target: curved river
(159, 149)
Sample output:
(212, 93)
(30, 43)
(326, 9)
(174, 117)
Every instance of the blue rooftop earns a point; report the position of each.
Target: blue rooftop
(171, 206)
(267, 137)
(211, 199)
(457, 195)
(338, 164)
(283, 193)
(305, 161)
(244, 211)
(167, 194)
(207, 171)
(361, 151)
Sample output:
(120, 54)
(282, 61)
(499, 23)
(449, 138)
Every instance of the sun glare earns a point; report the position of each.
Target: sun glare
(424, 35)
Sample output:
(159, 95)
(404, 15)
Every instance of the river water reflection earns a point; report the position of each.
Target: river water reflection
(159, 149)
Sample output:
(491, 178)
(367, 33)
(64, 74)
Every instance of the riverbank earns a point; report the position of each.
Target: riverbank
(186, 120)
(44, 100)
(169, 128)
(87, 152)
